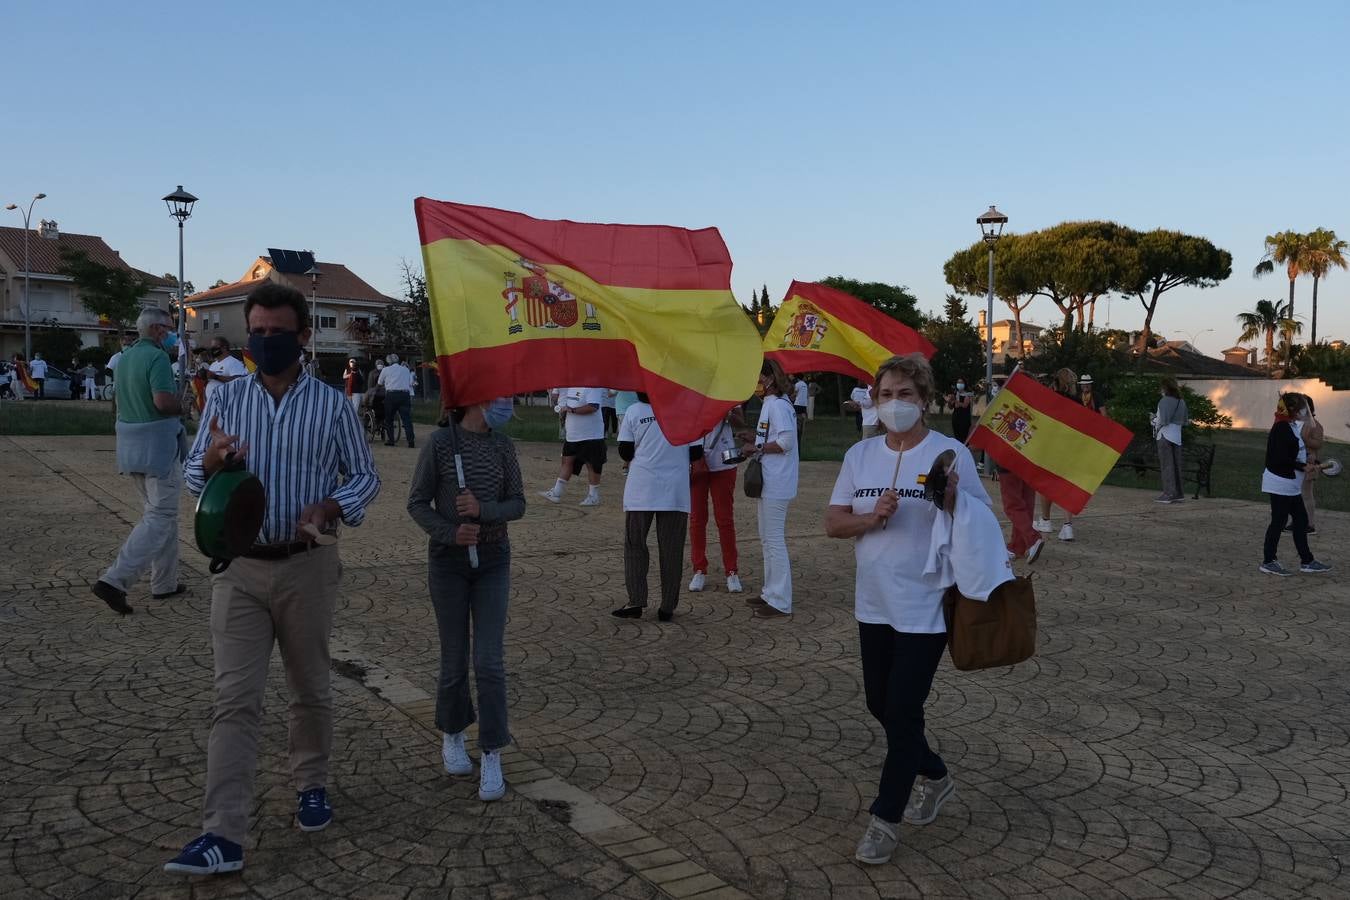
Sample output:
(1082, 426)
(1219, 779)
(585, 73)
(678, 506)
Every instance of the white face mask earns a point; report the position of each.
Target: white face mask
(960, 385)
(898, 415)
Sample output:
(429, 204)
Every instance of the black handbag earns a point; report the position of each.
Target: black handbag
(754, 477)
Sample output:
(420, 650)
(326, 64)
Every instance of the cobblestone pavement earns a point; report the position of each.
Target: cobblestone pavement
(1182, 732)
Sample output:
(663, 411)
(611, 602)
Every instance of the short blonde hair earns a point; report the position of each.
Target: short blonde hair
(914, 367)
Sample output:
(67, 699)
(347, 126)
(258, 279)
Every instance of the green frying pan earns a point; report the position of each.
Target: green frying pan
(229, 514)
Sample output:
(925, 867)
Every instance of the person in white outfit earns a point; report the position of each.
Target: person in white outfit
(878, 502)
(775, 439)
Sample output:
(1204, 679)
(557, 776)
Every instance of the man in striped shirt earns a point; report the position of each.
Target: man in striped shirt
(301, 438)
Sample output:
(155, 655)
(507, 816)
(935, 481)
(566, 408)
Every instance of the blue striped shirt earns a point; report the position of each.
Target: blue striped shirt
(305, 449)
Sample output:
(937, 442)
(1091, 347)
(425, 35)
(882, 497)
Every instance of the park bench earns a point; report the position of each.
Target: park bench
(1197, 462)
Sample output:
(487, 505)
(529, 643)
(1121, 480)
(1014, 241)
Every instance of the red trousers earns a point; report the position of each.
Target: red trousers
(722, 487)
(1019, 503)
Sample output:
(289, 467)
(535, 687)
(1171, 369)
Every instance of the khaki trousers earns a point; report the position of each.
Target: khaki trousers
(253, 604)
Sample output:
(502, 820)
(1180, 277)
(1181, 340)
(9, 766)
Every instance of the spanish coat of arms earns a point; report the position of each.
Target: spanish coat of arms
(805, 330)
(546, 301)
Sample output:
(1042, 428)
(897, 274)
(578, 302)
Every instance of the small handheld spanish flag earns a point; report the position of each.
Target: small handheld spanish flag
(1055, 444)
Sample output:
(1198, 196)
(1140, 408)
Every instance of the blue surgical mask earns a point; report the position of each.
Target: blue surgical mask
(498, 412)
(170, 340)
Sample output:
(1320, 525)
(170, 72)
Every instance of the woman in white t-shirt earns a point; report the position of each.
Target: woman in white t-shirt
(901, 631)
(775, 438)
(657, 490)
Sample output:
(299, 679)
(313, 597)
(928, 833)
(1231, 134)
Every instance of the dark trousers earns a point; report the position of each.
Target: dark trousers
(467, 598)
(670, 531)
(1281, 508)
(611, 420)
(42, 387)
(898, 670)
(398, 403)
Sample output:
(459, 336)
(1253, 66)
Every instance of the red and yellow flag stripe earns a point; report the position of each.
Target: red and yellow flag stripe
(821, 329)
(522, 304)
(1060, 447)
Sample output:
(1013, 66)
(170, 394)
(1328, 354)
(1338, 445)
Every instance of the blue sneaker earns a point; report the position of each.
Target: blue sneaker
(312, 811)
(207, 855)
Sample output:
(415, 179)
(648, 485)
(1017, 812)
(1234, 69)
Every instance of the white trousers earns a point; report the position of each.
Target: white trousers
(153, 543)
(356, 403)
(89, 390)
(777, 590)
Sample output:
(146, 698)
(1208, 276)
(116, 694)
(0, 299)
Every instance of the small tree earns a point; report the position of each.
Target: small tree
(404, 326)
(960, 353)
(109, 293)
(1266, 319)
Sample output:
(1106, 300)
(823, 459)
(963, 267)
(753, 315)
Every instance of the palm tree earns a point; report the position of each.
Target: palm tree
(1266, 319)
(1322, 253)
(1285, 248)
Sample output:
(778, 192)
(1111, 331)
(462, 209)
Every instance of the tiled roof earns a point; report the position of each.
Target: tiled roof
(1180, 361)
(336, 282)
(44, 254)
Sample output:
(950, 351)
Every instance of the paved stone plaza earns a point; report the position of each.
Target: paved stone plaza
(1182, 733)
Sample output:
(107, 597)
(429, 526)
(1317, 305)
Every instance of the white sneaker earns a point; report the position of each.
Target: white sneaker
(1066, 533)
(591, 500)
(550, 496)
(1034, 551)
(878, 843)
(697, 583)
(734, 584)
(1045, 526)
(491, 784)
(454, 756)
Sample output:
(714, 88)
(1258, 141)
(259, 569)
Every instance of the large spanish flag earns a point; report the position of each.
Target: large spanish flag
(820, 329)
(523, 304)
(1058, 446)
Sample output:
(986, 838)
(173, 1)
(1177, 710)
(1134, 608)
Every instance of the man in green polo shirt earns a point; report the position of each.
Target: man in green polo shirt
(150, 449)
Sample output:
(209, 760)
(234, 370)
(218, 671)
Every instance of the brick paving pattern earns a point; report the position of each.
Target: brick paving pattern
(1182, 732)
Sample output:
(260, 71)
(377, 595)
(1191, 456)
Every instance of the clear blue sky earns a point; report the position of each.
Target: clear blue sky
(859, 139)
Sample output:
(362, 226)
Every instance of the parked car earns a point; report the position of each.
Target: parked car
(60, 385)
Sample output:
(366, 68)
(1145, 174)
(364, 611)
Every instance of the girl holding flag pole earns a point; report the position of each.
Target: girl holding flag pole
(465, 489)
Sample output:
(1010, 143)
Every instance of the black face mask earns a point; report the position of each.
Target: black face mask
(274, 353)
(217, 352)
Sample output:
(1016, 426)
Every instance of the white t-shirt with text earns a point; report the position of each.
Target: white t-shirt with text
(890, 587)
(658, 476)
(588, 426)
(778, 423)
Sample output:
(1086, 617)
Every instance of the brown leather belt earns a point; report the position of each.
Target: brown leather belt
(277, 551)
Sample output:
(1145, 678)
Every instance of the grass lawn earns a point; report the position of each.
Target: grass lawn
(1238, 460)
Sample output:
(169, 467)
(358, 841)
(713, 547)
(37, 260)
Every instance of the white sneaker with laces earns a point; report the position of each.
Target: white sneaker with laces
(698, 582)
(1045, 526)
(1034, 551)
(550, 496)
(1066, 533)
(734, 584)
(878, 843)
(454, 756)
(591, 500)
(491, 784)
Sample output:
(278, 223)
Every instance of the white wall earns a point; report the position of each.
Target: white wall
(1251, 401)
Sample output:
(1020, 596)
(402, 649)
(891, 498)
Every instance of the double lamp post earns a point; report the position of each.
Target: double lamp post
(27, 321)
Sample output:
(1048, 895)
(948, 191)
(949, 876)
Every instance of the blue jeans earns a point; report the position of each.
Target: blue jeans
(460, 594)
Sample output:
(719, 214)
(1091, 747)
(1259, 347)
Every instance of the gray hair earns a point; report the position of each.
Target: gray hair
(150, 316)
(391, 358)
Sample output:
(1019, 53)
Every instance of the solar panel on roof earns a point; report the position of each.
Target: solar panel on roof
(291, 262)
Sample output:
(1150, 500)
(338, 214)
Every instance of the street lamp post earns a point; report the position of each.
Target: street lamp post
(314, 274)
(27, 327)
(180, 204)
(991, 226)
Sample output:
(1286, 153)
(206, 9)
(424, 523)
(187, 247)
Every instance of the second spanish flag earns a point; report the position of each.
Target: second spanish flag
(820, 329)
(1058, 446)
